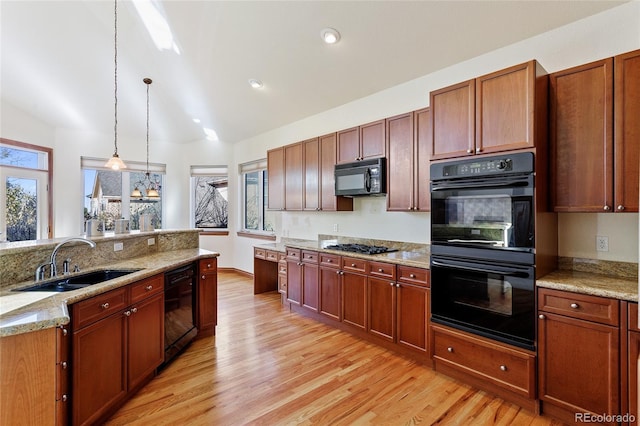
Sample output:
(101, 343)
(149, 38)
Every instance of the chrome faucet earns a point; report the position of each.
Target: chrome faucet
(53, 271)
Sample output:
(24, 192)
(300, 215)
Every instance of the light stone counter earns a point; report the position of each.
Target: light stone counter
(21, 312)
(592, 284)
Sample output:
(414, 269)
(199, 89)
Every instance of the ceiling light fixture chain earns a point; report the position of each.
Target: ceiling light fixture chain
(115, 162)
(150, 188)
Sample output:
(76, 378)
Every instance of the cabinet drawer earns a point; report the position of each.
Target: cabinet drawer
(582, 306)
(309, 256)
(633, 317)
(147, 287)
(91, 310)
(260, 253)
(293, 254)
(272, 256)
(282, 284)
(208, 265)
(382, 269)
(330, 260)
(282, 268)
(282, 257)
(415, 276)
(505, 367)
(356, 265)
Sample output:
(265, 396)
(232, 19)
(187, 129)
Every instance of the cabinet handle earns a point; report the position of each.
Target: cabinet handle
(398, 285)
(329, 260)
(105, 305)
(134, 310)
(450, 349)
(337, 272)
(541, 316)
(574, 306)
(391, 284)
(469, 151)
(380, 270)
(412, 275)
(64, 398)
(503, 367)
(127, 313)
(606, 208)
(353, 265)
(63, 364)
(620, 207)
(478, 150)
(64, 330)
(203, 277)
(149, 288)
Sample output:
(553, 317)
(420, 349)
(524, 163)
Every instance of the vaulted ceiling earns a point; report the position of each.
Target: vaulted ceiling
(57, 57)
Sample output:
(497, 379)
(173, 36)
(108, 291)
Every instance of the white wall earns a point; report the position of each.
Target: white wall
(609, 33)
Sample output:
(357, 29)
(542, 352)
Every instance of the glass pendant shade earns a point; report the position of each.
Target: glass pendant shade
(115, 163)
(136, 193)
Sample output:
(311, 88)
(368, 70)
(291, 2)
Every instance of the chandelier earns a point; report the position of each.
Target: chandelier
(150, 187)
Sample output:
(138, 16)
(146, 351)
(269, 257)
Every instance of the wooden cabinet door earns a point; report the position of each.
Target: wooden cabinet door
(328, 199)
(372, 140)
(207, 297)
(381, 310)
(294, 282)
(627, 130)
(354, 299)
(330, 293)
(422, 160)
(275, 169)
(453, 121)
(145, 338)
(633, 354)
(99, 368)
(581, 113)
(348, 149)
(412, 316)
(505, 104)
(293, 176)
(310, 286)
(400, 163)
(311, 173)
(578, 364)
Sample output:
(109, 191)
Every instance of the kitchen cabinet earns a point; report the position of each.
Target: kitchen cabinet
(125, 327)
(311, 174)
(362, 142)
(413, 308)
(207, 296)
(330, 290)
(381, 300)
(293, 176)
(594, 148)
(294, 276)
(408, 156)
(633, 352)
(310, 279)
(265, 270)
(354, 292)
(328, 200)
(501, 111)
(575, 332)
(282, 274)
(276, 183)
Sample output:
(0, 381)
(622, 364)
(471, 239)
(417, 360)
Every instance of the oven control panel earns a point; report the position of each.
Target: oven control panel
(479, 167)
(514, 163)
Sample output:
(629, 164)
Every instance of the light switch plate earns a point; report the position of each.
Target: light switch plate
(151, 241)
(118, 246)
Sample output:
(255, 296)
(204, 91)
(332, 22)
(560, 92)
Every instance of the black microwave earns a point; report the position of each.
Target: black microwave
(366, 177)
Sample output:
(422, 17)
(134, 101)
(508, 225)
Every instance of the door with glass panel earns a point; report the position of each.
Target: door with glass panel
(23, 202)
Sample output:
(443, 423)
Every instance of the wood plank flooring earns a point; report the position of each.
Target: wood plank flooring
(267, 366)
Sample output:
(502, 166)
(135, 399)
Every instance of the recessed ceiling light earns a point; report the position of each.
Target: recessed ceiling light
(330, 35)
(196, 120)
(256, 84)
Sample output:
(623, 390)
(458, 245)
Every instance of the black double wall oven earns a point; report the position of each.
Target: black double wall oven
(483, 248)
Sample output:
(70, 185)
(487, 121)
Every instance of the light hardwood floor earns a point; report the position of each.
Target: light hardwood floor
(267, 366)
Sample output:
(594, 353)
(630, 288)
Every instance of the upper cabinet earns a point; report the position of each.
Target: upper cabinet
(360, 143)
(408, 155)
(501, 111)
(327, 163)
(594, 143)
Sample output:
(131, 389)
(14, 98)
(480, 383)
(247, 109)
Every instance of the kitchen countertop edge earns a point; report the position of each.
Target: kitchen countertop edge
(52, 311)
(624, 289)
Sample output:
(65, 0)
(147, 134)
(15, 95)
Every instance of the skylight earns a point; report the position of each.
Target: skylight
(156, 24)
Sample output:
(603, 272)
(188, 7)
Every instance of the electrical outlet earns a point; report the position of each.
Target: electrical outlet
(118, 246)
(602, 243)
(335, 227)
(151, 241)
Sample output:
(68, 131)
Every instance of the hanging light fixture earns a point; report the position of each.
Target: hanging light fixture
(150, 188)
(115, 162)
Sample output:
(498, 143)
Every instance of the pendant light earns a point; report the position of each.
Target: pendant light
(150, 187)
(115, 162)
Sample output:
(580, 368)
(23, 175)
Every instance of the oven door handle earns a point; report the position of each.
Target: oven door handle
(513, 182)
(507, 270)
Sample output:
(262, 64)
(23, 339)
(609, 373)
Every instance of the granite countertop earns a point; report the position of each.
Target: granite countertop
(21, 312)
(620, 288)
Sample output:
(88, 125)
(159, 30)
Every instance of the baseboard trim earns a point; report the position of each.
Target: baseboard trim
(238, 271)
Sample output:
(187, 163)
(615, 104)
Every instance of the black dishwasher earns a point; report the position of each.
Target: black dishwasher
(179, 310)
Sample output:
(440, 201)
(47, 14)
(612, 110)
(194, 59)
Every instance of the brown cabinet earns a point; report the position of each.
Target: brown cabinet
(327, 162)
(595, 169)
(354, 292)
(413, 308)
(311, 174)
(381, 308)
(276, 184)
(575, 332)
(633, 354)
(501, 111)
(310, 279)
(329, 282)
(207, 295)
(360, 143)
(294, 276)
(126, 328)
(293, 176)
(408, 156)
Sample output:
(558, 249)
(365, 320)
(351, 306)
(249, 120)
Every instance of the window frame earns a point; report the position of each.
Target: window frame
(203, 171)
(243, 170)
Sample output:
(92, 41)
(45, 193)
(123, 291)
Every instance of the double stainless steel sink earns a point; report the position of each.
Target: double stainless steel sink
(79, 281)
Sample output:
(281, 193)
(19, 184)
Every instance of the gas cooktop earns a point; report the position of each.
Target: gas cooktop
(360, 248)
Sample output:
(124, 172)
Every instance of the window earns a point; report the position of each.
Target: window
(255, 196)
(210, 195)
(108, 195)
(25, 184)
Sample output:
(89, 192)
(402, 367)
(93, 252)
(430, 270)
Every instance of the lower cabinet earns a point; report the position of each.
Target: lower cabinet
(118, 341)
(207, 294)
(579, 354)
(354, 292)
(329, 287)
(632, 359)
